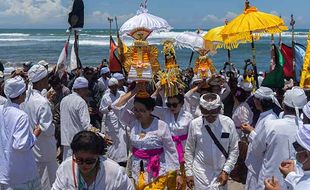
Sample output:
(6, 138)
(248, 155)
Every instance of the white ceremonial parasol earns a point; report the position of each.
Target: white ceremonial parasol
(145, 20)
(191, 40)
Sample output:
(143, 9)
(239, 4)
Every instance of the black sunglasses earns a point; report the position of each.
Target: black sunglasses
(169, 105)
(87, 161)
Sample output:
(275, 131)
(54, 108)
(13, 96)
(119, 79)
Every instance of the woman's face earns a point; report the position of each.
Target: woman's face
(140, 111)
(174, 105)
(86, 161)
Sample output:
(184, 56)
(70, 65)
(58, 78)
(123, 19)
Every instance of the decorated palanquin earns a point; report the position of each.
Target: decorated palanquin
(170, 79)
(170, 57)
(141, 59)
(204, 66)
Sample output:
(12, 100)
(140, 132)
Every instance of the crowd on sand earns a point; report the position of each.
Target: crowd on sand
(92, 129)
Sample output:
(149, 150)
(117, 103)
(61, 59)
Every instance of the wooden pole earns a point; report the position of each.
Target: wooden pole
(110, 21)
(292, 23)
(272, 63)
(254, 61)
(228, 50)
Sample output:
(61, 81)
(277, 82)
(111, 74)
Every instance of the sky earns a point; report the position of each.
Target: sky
(180, 14)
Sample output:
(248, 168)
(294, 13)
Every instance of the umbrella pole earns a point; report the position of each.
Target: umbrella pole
(228, 53)
(254, 62)
(271, 67)
(190, 59)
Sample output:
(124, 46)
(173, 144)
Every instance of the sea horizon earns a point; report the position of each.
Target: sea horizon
(32, 44)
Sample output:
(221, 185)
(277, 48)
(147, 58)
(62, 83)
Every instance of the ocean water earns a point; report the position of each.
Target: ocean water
(20, 45)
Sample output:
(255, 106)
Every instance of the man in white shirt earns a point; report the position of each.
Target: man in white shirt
(206, 165)
(297, 178)
(40, 114)
(121, 81)
(18, 168)
(74, 114)
(104, 79)
(279, 135)
(264, 101)
(113, 127)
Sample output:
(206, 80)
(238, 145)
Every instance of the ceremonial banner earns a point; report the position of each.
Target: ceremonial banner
(275, 79)
(305, 74)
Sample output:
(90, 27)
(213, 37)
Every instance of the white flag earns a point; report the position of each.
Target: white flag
(61, 63)
(73, 61)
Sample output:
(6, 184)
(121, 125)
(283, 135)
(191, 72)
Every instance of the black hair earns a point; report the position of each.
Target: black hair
(267, 104)
(241, 95)
(290, 110)
(89, 142)
(149, 102)
(54, 80)
(180, 98)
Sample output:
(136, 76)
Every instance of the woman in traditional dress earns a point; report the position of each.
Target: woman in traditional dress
(178, 120)
(87, 169)
(154, 153)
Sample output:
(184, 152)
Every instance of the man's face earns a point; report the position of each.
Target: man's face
(210, 115)
(113, 89)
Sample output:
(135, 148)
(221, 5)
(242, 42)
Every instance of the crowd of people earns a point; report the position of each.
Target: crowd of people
(92, 129)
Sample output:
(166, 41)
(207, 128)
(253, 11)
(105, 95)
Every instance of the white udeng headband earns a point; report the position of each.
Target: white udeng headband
(210, 105)
(266, 93)
(306, 110)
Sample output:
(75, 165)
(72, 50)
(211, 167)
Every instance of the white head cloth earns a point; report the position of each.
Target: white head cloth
(104, 70)
(112, 82)
(14, 87)
(247, 86)
(306, 110)
(295, 98)
(210, 105)
(118, 76)
(80, 82)
(303, 137)
(37, 72)
(195, 79)
(267, 94)
(43, 63)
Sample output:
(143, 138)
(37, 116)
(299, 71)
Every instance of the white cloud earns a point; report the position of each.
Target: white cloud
(101, 18)
(32, 11)
(216, 20)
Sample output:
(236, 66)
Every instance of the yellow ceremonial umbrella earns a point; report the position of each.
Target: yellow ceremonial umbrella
(249, 25)
(305, 74)
(214, 36)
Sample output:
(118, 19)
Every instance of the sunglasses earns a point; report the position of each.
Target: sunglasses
(210, 114)
(138, 110)
(169, 105)
(87, 161)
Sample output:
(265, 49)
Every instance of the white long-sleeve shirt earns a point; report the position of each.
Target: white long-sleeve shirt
(2, 100)
(114, 128)
(74, 117)
(110, 176)
(255, 156)
(304, 182)
(18, 164)
(277, 138)
(40, 114)
(242, 115)
(203, 159)
(177, 127)
(155, 137)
